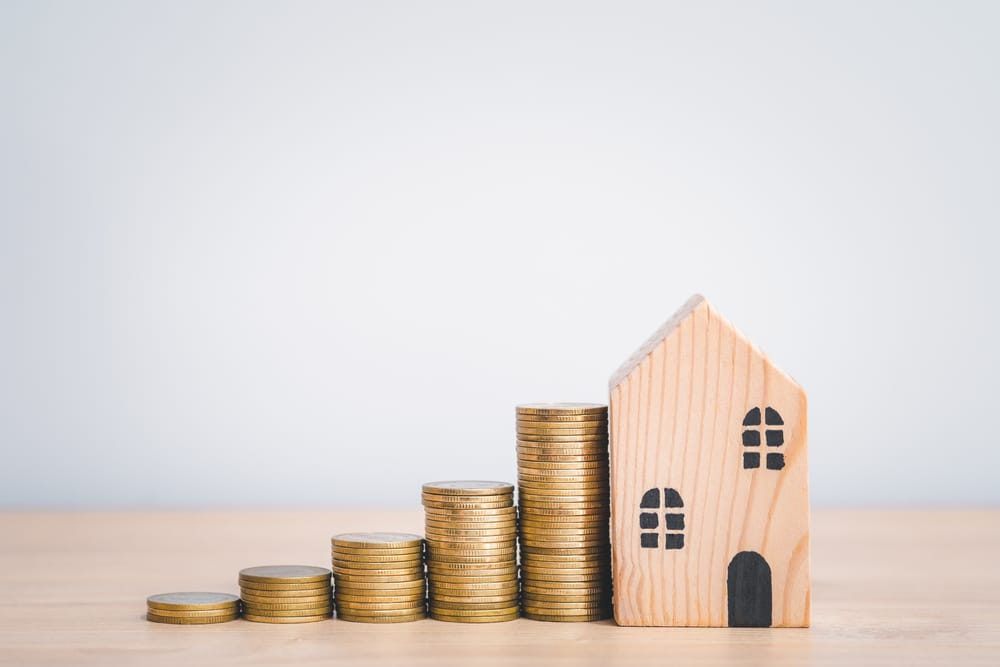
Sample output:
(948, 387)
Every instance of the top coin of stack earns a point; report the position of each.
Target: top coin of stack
(564, 506)
(286, 593)
(471, 530)
(192, 608)
(379, 577)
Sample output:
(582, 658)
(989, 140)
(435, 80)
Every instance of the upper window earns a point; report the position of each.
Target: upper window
(672, 527)
(773, 436)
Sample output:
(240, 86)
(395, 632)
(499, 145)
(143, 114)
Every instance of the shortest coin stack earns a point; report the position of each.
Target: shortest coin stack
(286, 593)
(379, 577)
(192, 608)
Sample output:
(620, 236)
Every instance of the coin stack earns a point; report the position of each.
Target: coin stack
(192, 608)
(564, 506)
(379, 577)
(471, 530)
(286, 593)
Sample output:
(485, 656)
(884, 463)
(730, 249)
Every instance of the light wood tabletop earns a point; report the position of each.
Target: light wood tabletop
(907, 587)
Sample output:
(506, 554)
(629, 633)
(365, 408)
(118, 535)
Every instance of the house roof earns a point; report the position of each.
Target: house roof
(694, 303)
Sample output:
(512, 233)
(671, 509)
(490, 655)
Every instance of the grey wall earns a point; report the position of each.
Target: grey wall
(313, 253)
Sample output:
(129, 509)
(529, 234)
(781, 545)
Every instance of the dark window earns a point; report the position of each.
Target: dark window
(672, 524)
(774, 437)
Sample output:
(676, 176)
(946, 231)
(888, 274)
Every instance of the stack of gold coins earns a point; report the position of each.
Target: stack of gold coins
(471, 530)
(192, 608)
(379, 577)
(564, 506)
(286, 593)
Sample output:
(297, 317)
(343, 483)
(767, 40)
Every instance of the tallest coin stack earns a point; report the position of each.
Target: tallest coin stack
(564, 507)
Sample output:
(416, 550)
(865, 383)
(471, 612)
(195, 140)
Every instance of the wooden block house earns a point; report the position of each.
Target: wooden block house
(709, 488)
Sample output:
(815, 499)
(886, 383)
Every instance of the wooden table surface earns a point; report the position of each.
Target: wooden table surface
(907, 587)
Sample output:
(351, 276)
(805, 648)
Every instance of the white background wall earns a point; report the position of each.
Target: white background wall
(312, 254)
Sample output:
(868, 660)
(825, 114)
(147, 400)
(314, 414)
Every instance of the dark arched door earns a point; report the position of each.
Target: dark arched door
(749, 583)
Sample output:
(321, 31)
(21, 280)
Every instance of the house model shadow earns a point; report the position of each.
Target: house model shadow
(709, 486)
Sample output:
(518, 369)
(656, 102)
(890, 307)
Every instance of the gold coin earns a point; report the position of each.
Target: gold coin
(494, 514)
(385, 556)
(464, 552)
(493, 611)
(365, 584)
(192, 601)
(251, 585)
(382, 619)
(490, 562)
(567, 421)
(561, 488)
(285, 574)
(565, 496)
(382, 612)
(303, 611)
(473, 532)
(410, 606)
(603, 561)
(438, 527)
(286, 619)
(570, 571)
(500, 588)
(286, 606)
(530, 549)
(468, 487)
(600, 616)
(561, 589)
(565, 522)
(462, 605)
(539, 440)
(597, 579)
(285, 599)
(196, 620)
(193, 613)
(464, 570)
(576, 607)
(531, 512)
(377, 578)
(377, 540)
(440, 616)
(529, 466)
(378, 569)
(414, 597)
(603, 597)
(471, 579)
(562, 428)
(561, 409)
(468, 506)
(562, 458)
(466, 585)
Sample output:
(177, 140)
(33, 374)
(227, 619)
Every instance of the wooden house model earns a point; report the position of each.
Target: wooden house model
(709, 488)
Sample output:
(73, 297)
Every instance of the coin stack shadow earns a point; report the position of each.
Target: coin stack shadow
(192, 608)
(564, 507)
(286, 593)
(471, 532)
(379, 577)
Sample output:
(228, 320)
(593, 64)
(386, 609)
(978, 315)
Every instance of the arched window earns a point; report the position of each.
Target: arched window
(774, 436)
(672, 528)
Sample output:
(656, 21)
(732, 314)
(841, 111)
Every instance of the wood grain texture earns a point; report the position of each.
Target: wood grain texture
(677, 409)
(73, 588)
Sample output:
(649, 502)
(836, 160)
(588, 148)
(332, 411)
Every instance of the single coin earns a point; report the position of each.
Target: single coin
(382, 612)
(563, 421)
(285, 574)
(378, 569)
(194, 613)
(531, 549)
(458, 613)
(314, 611)
(600, 616)
(564, 465)
(485, 607)
(486, 586)
(286, 619)
(440, 616)
(462, 569)
(604, 597)
(379, 578)
(413, 597)
(494, 514)
(509, 502)
(470, 555)
(285, 606)
(559, 489)
(564, 605)
(565, 522)
(565, 497)
(377, 540)
(286, 599)
(192, 601)
(440, 579)
(474, 532)
(469, 487)
(253, 585)
(585, 570)
(533, 512)
(561, 409)
(562, 428)
(603, 562)
(196, 620)
(364, 584)
(562, 458)
(352, 618)
(411, 605)
(595, 440)
(385, 556)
